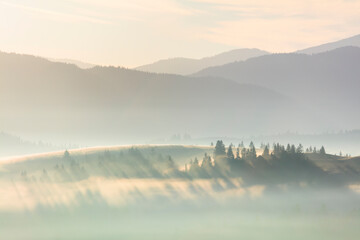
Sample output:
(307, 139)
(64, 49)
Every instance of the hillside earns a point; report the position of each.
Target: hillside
(14, 146)
(351, 41)
(128, 184)
(186, 66)
(141, 160)
(326, 84)
(107, 105)
(80, 64)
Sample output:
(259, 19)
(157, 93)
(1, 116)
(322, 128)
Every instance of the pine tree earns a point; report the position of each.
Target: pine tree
(66, 155)
(322, 150)
(252, 150)
(266, 151)
(196, 162)
(276, 149)
(237, 153)
(243, 153)
(206, 161)
(299, 149)
(170, 162)
(230, 153)
(292, 149)
(219, 149)
(288, 148)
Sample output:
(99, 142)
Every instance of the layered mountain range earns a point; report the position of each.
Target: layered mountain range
(267, 94)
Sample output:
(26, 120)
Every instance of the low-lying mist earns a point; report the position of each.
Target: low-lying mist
(177, 192)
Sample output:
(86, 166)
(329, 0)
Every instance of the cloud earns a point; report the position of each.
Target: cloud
(143, 30)
(58, 15)
(138, 7)
(280, 25)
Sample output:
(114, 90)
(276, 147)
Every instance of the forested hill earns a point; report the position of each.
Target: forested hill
(326, 84)
(107, 105)
(271, 165)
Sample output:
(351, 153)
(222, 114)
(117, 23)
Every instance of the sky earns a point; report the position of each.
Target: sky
(131, 33)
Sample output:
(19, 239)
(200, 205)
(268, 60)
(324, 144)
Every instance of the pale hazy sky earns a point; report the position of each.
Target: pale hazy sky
(135, 32)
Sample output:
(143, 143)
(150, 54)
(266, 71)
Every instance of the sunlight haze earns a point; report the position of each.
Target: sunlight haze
(179, 119)
(133, 33)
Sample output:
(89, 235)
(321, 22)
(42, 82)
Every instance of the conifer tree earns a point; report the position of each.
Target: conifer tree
(206, 161)
(276, 149)
(322, 150)
(266, 151)
(66, 154)
(219, 149)
(243, 153)
(288, 148)
(299, 149)
(237, 153)
(292, 149)
(230, 153)
(252, 150)
(170, 162)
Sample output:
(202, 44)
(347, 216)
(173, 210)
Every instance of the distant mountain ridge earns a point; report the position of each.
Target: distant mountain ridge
(80, 64)
(186, 66)
(268, 94)
(326, 82)
(351, 41)
(107, 105)
(14, 146)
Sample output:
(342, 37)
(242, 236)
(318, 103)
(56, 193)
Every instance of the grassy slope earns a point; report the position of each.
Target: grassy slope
(181, 154)
(335, 164)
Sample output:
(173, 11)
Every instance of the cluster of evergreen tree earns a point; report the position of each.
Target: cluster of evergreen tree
(282, 163)
(314, 150)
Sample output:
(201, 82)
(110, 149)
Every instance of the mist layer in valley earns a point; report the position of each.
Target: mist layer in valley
(191, 185)
(171, 191)
(267, 95)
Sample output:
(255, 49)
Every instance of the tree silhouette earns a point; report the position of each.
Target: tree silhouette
(206, 161)
(322, 150)
(266, 151)
(170, 162)
(230, 153)
(243, 153)
(238, 153)
(300, 149)
(219, 149)
(288, 148)
(66, 154)
(252, 151)
(292, 149)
